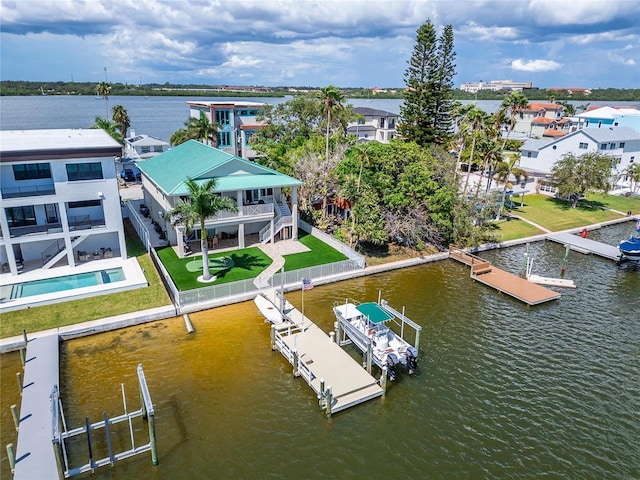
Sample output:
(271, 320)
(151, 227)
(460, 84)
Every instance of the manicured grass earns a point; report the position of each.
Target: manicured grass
(246, 263)
(514, 228)
(93, 308)
(556, 215)
(320, 253)
(616, 202)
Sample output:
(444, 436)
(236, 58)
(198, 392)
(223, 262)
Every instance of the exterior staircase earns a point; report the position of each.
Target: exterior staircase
(282, 220)
(54, 252)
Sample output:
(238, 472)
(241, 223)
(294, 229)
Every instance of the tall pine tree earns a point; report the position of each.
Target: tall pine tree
(428, 96)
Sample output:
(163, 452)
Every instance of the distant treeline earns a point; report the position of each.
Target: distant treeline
(21, 88)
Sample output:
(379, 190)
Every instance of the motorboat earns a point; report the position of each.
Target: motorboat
(368, 327)
(631, 248)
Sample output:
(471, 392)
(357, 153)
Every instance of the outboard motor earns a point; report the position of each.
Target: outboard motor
(392, 361)
(412, 359)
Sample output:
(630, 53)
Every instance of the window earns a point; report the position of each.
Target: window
(31, 171)
(85, 203)
(583, 145)
(222, 117)
(247, 136)
(621, 145)
(84, 171)
(382, 122)
(158, 148)
(146, 149)
(603, 146)
(224, 139)
(21, 216)
(392, 123)
(613, 146)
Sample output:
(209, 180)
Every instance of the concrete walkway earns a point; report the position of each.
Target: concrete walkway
(276, 252)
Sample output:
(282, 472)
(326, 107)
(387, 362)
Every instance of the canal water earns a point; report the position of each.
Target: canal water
(503, 390)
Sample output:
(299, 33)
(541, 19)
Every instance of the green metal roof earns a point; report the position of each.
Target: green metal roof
(374, 312)
(193, 159)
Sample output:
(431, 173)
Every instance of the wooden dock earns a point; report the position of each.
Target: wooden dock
(585, 245)
(317, 358)
(505, 282)
(35, 454)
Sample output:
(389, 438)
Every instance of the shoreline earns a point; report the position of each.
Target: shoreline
(93, 327)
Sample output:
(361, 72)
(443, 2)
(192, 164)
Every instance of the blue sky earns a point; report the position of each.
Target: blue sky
(347, 43)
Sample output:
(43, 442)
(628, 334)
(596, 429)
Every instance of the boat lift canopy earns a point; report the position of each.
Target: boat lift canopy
(373, 311)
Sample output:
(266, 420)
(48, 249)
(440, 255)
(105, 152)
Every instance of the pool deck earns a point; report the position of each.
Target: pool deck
(35, 456)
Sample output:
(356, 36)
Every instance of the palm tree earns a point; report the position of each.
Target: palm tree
(512, 103)
(202, 129)
(104, 89)
(109, 127)
(121, 117)
(504, 170)
(180, 136)
(203, 203)
(332, 99)
(473, 123)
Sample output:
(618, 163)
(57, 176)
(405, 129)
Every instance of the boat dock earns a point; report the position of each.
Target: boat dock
(35, 455)
(505, 282)
(585, 245)
(338, 380)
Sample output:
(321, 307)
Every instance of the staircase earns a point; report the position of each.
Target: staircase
(56, 251)
(282, 219)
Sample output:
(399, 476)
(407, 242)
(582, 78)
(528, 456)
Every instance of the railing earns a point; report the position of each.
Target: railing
(139, 225)
(52, 250)
(328, 239)
(265, 233)
(216, 292)
(165, 277)
(30, 191)
(258, 209)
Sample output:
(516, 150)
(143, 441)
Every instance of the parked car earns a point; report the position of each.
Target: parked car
(127, 175)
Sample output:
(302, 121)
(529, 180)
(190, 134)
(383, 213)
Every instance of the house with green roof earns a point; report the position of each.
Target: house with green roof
(258, 192)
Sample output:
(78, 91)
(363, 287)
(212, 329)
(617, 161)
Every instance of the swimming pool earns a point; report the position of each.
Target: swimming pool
(68, 282)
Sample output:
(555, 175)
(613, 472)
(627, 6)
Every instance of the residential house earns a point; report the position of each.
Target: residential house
(237, 122)
(604, 117)
(538, 116)
(373, 125)
(538, 156)
(140, 147)
(60, 199)
(262, 208)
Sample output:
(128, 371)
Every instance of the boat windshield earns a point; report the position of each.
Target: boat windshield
(373, 311)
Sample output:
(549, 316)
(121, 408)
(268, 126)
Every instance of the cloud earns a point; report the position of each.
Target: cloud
(535, 65)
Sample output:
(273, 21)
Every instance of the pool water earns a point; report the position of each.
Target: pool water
(68, 282)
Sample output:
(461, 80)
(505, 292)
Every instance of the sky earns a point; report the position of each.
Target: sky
(346, 43)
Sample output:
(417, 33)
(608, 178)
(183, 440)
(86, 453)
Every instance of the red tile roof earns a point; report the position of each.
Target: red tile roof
(551, 132)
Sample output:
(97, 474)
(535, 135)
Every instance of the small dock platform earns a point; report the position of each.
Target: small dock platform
(321, 361)
(585, 245)
(505, 282)
(35, 454)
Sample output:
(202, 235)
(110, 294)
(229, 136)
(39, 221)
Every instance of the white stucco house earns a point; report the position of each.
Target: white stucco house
(537, 116)
(621, 143)
(374, 125)
(60, 198)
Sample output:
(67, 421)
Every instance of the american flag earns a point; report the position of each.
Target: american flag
(307, 284)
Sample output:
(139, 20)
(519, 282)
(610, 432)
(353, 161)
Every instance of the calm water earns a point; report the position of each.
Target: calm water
(156, 116)
(503, 390)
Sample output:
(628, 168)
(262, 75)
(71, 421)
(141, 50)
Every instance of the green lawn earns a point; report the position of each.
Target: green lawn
(514, 228)
(240, 265)
(320, 253)
(101, 306)
(556, 215)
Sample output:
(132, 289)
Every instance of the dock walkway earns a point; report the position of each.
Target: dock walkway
(505, 282)
(319, 357)
(35, 455)
(585, 245)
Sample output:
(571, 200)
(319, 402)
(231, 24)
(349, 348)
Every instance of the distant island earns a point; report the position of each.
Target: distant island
(24, 88)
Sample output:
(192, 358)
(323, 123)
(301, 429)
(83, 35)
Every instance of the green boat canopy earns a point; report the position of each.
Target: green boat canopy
(374, 312)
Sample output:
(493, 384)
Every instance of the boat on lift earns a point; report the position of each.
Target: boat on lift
(630, 249)
(367, 326)
(268, 310)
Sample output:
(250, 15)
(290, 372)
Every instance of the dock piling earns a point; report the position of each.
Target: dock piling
(23, 356)
(19, 378)
(24, 335)
(11, 454)
(565, 261)
(296, 372)
(187, 322)
(273, 338)
(321, 394)
(383, 381)
(16, 417)
(329, 401)
(369, 358)
(332, 337)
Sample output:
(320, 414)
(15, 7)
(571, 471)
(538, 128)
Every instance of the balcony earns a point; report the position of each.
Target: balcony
(248, 213)
(77, 223)
(28, 191)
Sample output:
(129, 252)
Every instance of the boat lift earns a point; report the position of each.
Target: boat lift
(60, 433)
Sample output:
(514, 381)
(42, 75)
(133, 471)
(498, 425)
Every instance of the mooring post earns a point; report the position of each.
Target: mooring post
(273, 338)
(417, 345)
(525, 259)
(23, 356)
(328, 403)
(11, 454)
(152, 439)
(383, 380)
(24, 335)
(19, 378)
(332, 337)
(295, 363)
(336, 327)
(321, 394)
(16, 417)
(565, 261)
(369, 358)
